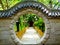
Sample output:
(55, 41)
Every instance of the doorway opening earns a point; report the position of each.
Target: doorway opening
(29, 28)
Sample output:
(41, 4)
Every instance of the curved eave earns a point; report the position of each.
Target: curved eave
(19, 6)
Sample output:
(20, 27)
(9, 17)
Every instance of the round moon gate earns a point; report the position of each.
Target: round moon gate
(30, 7)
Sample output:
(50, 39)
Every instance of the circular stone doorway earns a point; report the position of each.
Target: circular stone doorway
(46, 21)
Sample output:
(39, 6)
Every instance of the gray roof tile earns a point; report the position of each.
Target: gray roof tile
(44, 10)
(47, 11)
(49, 14)
(36, 5)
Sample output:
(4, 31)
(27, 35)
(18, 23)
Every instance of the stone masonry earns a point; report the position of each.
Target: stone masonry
(52, 28)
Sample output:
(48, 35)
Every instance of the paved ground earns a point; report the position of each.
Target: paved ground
(30, 36)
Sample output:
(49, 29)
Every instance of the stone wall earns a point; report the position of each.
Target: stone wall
(52, 25)
(5, 38)
(55, 32)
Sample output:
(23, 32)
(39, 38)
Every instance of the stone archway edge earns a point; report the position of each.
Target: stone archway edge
(36, 5)
(46, 21)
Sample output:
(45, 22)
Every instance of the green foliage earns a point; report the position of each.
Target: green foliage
(25, 19)
(6, 4)
(40, 24)
(54, 3)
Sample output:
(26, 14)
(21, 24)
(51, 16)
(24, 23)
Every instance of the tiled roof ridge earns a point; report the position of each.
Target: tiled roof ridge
(33, 4)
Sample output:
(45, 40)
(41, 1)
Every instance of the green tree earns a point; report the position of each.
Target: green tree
(6, 4)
